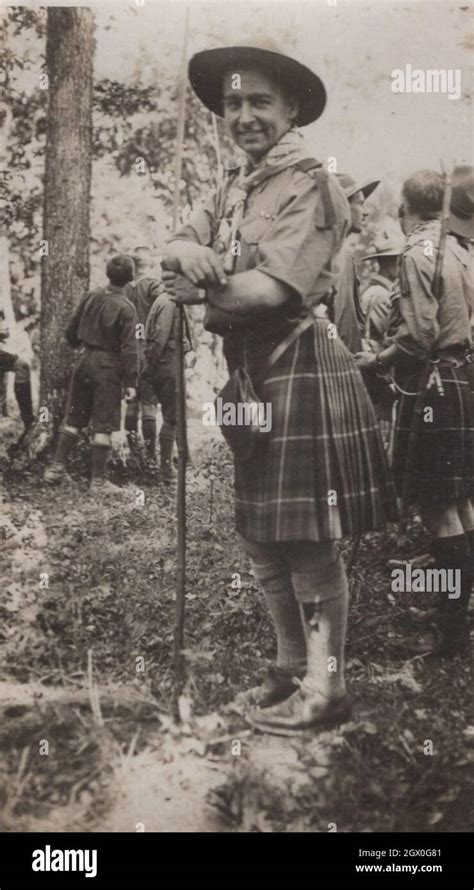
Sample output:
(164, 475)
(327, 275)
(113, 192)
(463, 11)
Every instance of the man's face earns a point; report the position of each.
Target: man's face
(358, 214)
(256, 113)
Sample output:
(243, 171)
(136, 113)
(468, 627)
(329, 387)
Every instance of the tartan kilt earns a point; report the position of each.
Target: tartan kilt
(321, 473)
(433, 460)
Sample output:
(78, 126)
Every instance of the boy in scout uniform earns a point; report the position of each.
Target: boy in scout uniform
(376, 302)
(347, 310)
(142, 292)
(159, 372)
(104, 325)
(376, 298)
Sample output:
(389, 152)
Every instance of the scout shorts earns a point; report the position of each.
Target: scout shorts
(164, 389)
(95, 392)
(146, 393)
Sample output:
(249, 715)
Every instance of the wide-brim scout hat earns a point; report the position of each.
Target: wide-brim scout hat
(207, 70)
(351, 187)
(386, 245)
(461, 220)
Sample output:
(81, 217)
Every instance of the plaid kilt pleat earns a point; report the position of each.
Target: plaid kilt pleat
(321, 473)
(433, 456)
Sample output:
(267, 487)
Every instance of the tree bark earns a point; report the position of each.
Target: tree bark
(65, 269)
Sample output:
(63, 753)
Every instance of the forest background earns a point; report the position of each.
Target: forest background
(369, 130)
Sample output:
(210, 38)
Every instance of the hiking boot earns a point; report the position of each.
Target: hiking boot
(277, 685)
(104, 487)
(300, 712)
(55, 474)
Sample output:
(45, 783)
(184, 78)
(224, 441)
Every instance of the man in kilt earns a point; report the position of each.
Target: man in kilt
(262, 247)
(431, 351)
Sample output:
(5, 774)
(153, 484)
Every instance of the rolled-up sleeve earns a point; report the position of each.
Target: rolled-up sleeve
(200, 227)
(419, 327)
(297, 247)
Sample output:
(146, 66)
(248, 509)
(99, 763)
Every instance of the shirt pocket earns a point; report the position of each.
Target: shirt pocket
(255, 225)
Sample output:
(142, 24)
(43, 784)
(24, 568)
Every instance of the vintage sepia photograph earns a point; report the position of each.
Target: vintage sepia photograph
(237, 429)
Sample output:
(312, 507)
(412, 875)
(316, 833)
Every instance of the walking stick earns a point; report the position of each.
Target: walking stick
(181, 438)
(443, 233)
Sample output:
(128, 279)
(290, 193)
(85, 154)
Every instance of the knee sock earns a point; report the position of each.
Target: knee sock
(23, 397)
(326, 624)
(100, 454)
(454, 553)
(166, 451)
(149, 434)
(65, 445)
(131, 425)
(286, 616)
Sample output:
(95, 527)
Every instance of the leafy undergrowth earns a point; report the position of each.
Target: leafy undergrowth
(91, 586)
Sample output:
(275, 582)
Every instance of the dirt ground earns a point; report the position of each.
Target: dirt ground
(86, 733)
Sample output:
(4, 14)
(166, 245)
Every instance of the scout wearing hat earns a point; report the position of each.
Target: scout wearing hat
(347, 311)
(433, 459)
(375, 300)
(288, 218)
(461, 220)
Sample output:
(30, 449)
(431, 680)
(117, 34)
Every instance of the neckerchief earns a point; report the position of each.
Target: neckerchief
(288, 151)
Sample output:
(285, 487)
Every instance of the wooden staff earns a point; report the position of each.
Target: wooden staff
(445, 215)
(181, 438)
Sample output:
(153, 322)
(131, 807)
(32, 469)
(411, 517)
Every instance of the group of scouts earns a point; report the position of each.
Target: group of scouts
(126, 333)
(322, 473)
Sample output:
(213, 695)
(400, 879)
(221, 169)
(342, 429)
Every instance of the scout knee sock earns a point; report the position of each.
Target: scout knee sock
(285, 614)
(67, 440)
(454, 555)
(149, 434)
(166, 453)
(100, 455)
(131, 424)
(23, 397)
(326, 622)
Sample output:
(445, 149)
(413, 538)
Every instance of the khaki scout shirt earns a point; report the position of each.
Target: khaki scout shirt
(376, 304)
(161, 334)
(283, 232)
(142, 293)
(347, 310)
(426, 323)
(106, 320)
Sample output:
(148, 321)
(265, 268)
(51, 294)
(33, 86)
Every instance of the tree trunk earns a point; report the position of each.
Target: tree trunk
(65, 268)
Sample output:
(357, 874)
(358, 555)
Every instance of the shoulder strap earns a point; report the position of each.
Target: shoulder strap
(286, 343)
(321, 177)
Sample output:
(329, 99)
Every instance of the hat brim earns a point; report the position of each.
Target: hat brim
(207, 69)
(366, 189)
(463, 227)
